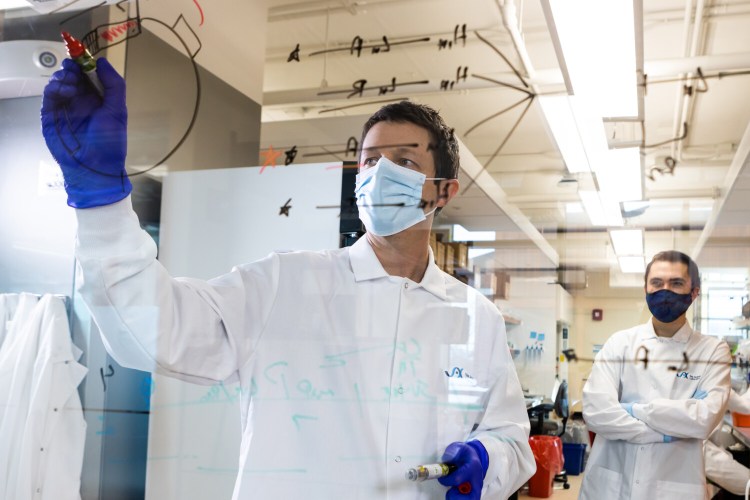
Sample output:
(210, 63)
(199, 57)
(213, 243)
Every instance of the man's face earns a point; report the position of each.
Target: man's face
(673, 276)
(407, 145)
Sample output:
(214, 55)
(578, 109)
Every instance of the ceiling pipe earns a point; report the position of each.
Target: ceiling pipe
(510, 22)
(685, 101)
(319, 8)
(696, 46)
(673, 67)
(677, 120)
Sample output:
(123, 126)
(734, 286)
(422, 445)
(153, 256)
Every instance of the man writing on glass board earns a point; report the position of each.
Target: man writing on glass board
(656, 391)
(373, 331)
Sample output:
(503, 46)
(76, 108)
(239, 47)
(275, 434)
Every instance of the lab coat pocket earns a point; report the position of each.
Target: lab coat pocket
(683, 491)
(603, 483)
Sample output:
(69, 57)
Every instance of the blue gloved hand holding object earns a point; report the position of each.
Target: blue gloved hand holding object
(471, 460)
(699, 394)
(87, 133)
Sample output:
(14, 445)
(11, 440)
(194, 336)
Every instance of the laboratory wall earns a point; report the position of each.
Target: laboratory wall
(533, 301)
(621, 308)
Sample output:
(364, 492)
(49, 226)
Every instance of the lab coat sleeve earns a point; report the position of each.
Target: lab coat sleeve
(504, 427)
(199, 331)
(739, 403)
(693, 418)
(601, 405)
(722, 469)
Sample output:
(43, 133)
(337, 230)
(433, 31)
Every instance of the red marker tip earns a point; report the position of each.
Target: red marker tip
(75, 47)
(464, 488)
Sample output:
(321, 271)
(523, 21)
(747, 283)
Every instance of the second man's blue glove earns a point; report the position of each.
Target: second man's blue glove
(628, 407)
(699, 394)
(472, 461)
(87, 133)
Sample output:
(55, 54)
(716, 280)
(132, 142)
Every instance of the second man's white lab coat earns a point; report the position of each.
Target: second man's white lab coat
(349, 376)
(721, 467)
(629, 459)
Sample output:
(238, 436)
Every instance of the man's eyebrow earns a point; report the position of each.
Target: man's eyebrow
(391, 146)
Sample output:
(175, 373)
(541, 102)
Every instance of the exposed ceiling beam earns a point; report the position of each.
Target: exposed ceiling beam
(741, 161)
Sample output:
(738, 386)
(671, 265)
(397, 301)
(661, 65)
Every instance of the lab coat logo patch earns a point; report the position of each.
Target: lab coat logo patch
(457, 372)
(687, 376)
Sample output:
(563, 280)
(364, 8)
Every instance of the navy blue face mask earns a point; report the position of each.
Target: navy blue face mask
(667, 306)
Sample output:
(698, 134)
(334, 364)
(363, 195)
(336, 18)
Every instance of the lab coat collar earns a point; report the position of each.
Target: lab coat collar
(682, 335)
(366, 266)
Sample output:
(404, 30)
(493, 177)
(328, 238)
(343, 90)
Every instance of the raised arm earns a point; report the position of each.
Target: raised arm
(195, 330)
(191, 329)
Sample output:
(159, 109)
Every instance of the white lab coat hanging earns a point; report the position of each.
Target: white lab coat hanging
(42, 430)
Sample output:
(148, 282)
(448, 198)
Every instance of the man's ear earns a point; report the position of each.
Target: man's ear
(446, 191)
(694, 293)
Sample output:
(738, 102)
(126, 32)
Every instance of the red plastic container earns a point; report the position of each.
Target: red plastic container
(740, 420)
(549, 461)
(540, 484)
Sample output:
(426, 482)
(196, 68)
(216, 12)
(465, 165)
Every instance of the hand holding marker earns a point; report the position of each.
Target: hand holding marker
(78, 52)
(435, 471)
(84, 121)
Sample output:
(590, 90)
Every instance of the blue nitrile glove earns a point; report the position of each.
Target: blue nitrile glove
(472, 461)
(699, 394)
(87, 134)
(628, 407)
(670, 439)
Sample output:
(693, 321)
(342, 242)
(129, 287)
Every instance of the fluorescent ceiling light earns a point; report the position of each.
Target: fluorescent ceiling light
(618, 173)
(593, 207)
(13, 4)
(632, 264)
(596, 42)
(627, 241)
(460, 233)
(560, 117)
(580, 136)
(573, 208)
(601, 211)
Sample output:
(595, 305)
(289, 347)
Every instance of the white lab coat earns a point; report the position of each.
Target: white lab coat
(42, 430)
(721, 467)
(629, 459)
(8, 306)
(349, 376)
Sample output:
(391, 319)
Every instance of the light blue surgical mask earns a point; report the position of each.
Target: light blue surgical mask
(389, 198)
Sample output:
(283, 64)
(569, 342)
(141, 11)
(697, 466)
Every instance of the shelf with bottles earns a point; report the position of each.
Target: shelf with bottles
(452, 257)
